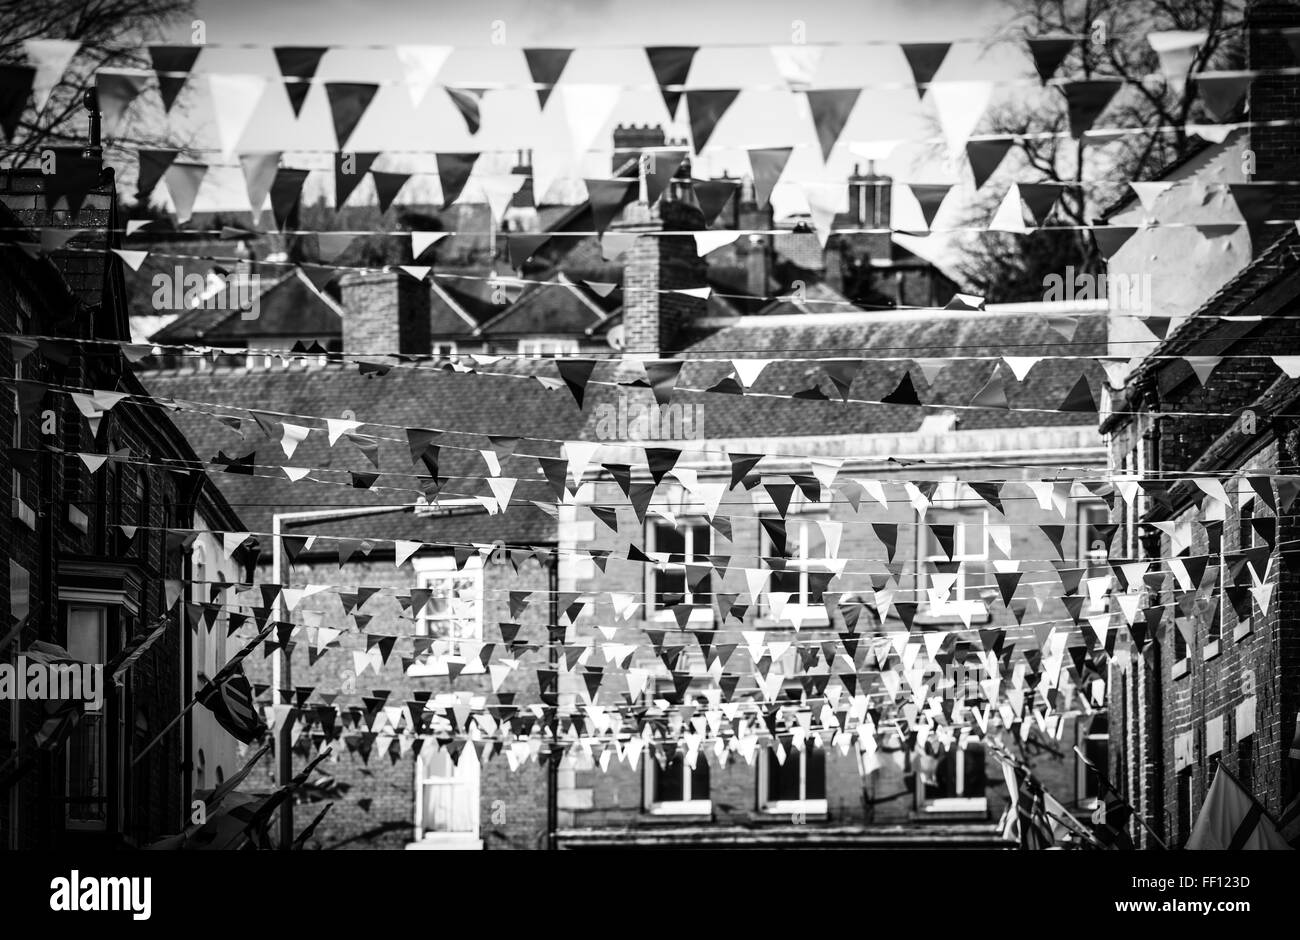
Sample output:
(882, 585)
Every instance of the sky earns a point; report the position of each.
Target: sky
(859, 49)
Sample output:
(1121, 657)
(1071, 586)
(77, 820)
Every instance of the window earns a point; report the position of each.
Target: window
(547, 346)
(676, 787)
(447, 794)
(87, 747)
(955, 586)
(18, 506)
(1245, 541)
(1246, 762)
(1094, 742)
(1092, 554)
(443, 348)
(219, 638)
(952, 779)
(454, 612)
(805, 572)
(796, 786)
(1184, 806)
(673, 548)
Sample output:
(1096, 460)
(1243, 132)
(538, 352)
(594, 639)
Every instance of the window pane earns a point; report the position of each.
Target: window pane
(669, 781)
(783, 779)
(975, 781)
(700, 779)
(815, 776)
(671, 541)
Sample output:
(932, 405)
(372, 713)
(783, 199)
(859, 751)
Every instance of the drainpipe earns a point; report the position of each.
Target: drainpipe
(553, 764)
(281, 666)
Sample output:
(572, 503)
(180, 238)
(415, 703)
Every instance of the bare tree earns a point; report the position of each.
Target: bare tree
(112, 33)
(1152, 108)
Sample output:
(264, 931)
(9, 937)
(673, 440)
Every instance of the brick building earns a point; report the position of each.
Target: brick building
(92, 555)
(1209, 676)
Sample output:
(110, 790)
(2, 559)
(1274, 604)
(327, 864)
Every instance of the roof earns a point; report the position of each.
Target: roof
(1278, 264)
(1195, 150)
(287, 306)
(470, 405)
(1022, 330)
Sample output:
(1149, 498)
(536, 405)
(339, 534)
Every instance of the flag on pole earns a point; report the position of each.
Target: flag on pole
(1110, 818)
(1035, 832)
(1233, 819)
(229, 697)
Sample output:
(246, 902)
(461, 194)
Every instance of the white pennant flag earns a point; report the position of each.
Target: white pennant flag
(420, 68)
(713, 239)
(1020, 365)
(337, 427)
(960, 106)
(586, 110)
(50, 58)
(294, 434)
(797, 64)
(403, 549)
(748, 370)
(234, 99)
(1010, 216)
(420, 241)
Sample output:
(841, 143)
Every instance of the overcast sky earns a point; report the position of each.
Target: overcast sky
(608, 37)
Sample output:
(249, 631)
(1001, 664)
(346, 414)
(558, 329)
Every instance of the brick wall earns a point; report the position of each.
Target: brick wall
(652, 319)
(613, 797)
(386, 312)
(1275, 97)
(377, 811)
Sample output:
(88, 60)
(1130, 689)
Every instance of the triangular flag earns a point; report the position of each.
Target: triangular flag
(259, 172)
(1080, 399)
(387, 186)
(348, 104)
(468, 102)
(830, 110)
(766, 165)
(960, 106)
(116, 89)
(1223, 92)
(349, 168)
(546, 66)
(924, 59)
(173, 65)
(904, 394)
(985, 156)
(234, 99)
(286, 191)
(1085, 101)
(453, 172)
(298, 63)
(1049, 52)
(420, 68)
(671, 65)
(930, 197)
(706, 108)
(51, 58)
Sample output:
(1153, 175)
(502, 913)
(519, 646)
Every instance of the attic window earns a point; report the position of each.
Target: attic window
(938, 424)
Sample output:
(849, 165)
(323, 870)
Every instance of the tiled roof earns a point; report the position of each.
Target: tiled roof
(287, 306)
(404, 397)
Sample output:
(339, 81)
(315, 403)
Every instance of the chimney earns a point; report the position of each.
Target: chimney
(521, 215)
(754, 251)
(1274, 96)
(870, 207)
(631, 139)
(654, 322)
(387, 312)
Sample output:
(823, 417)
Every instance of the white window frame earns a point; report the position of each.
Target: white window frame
(967, 596)
(1245, 540)
(18, 506)
(662, 564)
(1084, 554)
(804, 805)
(539, 347)
(466, 774)
(1081, 772)
(429, 570)
(796, 524)
(89, 719)
(689, 806)
(953, 805)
